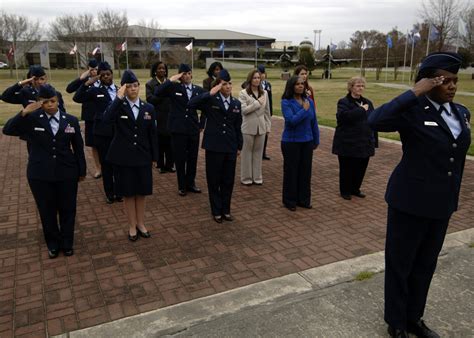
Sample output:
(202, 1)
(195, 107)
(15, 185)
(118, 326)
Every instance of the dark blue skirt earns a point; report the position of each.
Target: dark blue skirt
(133, 181)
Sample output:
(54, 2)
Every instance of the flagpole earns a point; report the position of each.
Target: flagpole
(223, 47)
(159, 52)
(361, 61)
(77, 57)
(101, 51)
(428, 42)
(329, 61)
(405, 57)
(256, 53)
(49, 63)
(192, 55)
(126, 51)
(411, 58)
(14, 59)
(386, 65)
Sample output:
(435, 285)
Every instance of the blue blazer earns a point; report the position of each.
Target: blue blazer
(427, 180)
(98, 99)
(51, 157)
(135, 141)
(300, 125)
(182, 118)
(222, 132)
(17, 94)
(87, 111)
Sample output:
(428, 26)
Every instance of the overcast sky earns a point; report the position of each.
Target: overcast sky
(291, 20)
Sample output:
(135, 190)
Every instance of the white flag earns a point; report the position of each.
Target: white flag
(123, 46)
(96, 50)
(73, 50)
(364, 45)
(190, 46)
(462, 31)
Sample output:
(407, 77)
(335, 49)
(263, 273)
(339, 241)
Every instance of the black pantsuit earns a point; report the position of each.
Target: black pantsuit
(351, 174)
(185, 150)
(165, 152)
(411, 252)
(53, 199)
(102, 144)
(297, 163)
(220, 173)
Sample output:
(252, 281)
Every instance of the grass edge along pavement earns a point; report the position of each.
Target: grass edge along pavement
(327, 92)
(176, 318)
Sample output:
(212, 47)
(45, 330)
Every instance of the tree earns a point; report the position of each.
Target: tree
(211, 45)
(70, 28)
(20, 28)
(443, 15)
(148, 32)
(375, 53)
(468, 40)
(306, 57)
(114, 27)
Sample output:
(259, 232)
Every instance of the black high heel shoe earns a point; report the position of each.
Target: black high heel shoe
(145, 234)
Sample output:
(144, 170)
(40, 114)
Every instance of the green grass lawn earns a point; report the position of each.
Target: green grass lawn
(327, 92)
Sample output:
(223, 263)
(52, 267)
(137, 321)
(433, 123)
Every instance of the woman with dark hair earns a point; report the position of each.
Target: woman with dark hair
(302, 71)
(256, 123)
(212, 73)
(300, 137)
(354, 141)
(159, 74)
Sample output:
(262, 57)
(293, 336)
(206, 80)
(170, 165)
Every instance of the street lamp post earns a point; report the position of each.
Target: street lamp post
(317, 31)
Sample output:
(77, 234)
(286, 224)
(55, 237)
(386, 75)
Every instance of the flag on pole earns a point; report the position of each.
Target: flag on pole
(333, 47)
(44, 56)
(462, 28)
(123, 46)
(11, 53)
(156, 46)
(364, 45)
(96, 50)
(189, 47)
(389, 41)
(73, 50)
(221, 46)
(434, 33)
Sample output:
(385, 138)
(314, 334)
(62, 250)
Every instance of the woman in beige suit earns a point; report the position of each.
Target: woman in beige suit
(256, 123)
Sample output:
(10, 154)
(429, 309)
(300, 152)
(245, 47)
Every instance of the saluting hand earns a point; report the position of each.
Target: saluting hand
(92, 80)
(121, 92)
(176, 77)
(25, 82)
(31, 108)
(85, 75)
(306, 105)
(425, 85)
(214, 90)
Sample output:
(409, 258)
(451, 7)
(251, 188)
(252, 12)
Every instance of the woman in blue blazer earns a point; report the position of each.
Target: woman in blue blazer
(132, 151)
(300, 137)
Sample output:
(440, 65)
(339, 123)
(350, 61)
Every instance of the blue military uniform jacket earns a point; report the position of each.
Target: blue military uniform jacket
(135, 141)
(222, 132)
(17, 94)
(268, 88)
(427, 180)
(99, 100)
(87, 111)
(182, 119)
(51, 157)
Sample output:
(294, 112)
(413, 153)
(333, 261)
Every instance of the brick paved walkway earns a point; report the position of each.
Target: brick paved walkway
(189, 255)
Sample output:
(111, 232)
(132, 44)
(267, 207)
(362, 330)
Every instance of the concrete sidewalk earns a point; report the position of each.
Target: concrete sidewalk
(319, 302)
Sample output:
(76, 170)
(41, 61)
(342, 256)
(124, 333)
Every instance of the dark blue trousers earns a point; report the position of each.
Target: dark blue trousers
(55, 199)
(412, 247)
(220, 175)
(185, 152)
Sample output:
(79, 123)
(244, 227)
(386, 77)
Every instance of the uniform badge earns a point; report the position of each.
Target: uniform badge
(39, 129)
(124, 117)
(431, 123)
(147, 116)
(69, 130)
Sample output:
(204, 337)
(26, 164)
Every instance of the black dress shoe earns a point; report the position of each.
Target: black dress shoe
(68, 252)
(420, 330)
(265, 157)
(194, 189)
(133, 238)
(306, 206)
(181, 192)
(228, 217)
(397, 333)
(53, 253)
(162, 171)
(346, 197)
(359, 194)
(171, 170)
(118, 199)
(109, 200)
(145, 234)
(289, 207)
(218, 219)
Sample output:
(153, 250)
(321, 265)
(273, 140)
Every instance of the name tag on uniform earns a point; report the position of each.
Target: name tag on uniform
(215, 107)
(124, 117)
(179, 94)
(431, 123)
(39, 129)
(100, 95)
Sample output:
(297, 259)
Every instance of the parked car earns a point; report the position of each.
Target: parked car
(3, 65)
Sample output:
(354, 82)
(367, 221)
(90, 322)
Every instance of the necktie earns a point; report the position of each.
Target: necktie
(189, 91)
(226, 104)
(443, 108)
(54, 123)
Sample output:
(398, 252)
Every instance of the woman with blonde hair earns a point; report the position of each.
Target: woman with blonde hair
(256, 123)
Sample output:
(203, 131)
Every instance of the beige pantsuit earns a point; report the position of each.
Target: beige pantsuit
(256, 122)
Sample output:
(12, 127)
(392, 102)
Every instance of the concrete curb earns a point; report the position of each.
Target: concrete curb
(175, 318)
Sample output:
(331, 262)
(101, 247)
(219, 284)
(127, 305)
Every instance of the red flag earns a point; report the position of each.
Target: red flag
(11, 53)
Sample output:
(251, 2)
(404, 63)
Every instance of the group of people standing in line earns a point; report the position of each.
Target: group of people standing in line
(128, 135)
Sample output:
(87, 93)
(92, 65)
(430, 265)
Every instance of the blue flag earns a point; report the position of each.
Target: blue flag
(389, 41)
(333, 47)
(221, 47)
(434, 33)
(156, 45)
